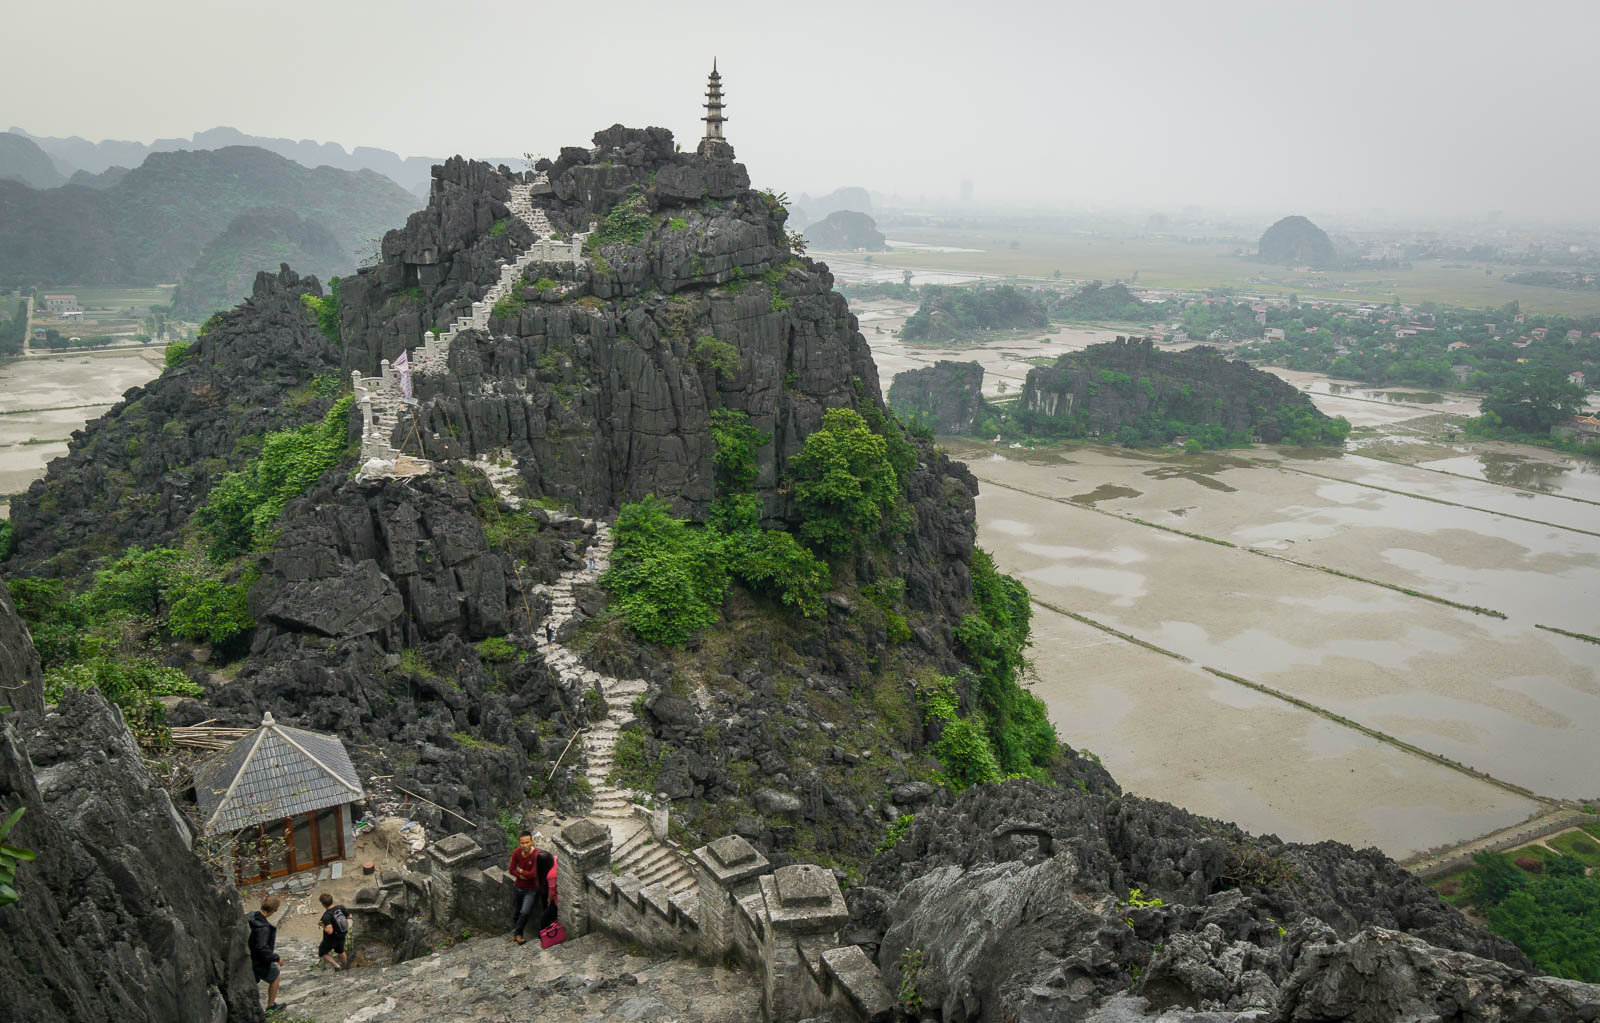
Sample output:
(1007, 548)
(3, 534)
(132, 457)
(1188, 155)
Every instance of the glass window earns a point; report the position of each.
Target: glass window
(303, 855)
(330, 828)
(277, 843)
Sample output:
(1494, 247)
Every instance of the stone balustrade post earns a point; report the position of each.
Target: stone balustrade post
(366, 419)
(444, 856)
(386, 373)
(802, 913)
(726, 870)
(581, 849)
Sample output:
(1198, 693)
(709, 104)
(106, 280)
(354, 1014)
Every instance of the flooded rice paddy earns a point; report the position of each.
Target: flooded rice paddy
(1294, 579)
(44, 399)
(1314, 644)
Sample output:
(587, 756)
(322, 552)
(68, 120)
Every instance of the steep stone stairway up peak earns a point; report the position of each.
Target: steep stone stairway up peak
(635, 849)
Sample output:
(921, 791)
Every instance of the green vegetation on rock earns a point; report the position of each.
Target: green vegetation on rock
(952, 314)
(244, 506)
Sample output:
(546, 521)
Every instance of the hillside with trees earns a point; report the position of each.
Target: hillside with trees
(1140, 396)
(153, 224)
(846, 231)
(1296, 241)
(957, 314)
(254, 241)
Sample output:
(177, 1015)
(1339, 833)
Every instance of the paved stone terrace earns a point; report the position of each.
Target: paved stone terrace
(491, 980)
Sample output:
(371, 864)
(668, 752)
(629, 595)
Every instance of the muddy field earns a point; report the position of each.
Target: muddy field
(1410, 586)
(43, 399)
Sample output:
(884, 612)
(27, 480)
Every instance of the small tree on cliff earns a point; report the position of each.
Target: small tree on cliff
(844, 485)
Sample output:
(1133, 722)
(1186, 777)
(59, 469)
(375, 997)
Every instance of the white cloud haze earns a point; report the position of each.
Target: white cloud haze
(1458, 107)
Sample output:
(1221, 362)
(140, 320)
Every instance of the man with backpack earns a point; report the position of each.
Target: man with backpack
(335, 928)
(264, 958)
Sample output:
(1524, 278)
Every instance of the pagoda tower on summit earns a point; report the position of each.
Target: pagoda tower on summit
(714, 116)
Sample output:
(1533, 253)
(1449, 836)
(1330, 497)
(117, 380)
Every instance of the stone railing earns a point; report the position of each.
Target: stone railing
(784, 923)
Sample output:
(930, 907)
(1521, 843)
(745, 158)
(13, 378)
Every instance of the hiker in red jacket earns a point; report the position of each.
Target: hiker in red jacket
(525, 897)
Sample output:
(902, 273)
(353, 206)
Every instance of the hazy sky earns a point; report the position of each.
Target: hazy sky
(1461, 107)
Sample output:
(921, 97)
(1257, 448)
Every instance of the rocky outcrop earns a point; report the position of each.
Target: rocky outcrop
(19, 664)
(600, 377)
(1130, 385)
(846, 231)
(369, 606)
(1296, 241)
(958, 314)
(946, 397)
(1126, 893)
(117, 918)
(135, 475)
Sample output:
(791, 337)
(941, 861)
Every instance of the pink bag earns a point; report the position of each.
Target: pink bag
(555, 934)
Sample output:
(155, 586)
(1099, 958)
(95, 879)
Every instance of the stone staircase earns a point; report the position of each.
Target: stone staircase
(635, 848)
(380, 397)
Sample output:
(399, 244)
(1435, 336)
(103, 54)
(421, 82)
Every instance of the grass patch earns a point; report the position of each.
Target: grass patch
(1579, 846)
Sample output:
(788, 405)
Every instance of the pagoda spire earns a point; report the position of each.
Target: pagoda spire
(714, 118)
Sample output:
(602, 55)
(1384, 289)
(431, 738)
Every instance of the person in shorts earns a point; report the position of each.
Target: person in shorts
(264, 958)
(335, 929)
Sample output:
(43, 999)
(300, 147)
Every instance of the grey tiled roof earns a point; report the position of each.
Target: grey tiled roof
(274, 772)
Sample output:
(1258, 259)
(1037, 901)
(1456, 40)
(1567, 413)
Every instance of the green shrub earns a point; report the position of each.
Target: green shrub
(594, 705)
(10, 857)
(325, 311)
(666, 578)
(497, 649)
(244, 506)
(509, 306)
(895, 833)
(636, 760)
(7, 538)
(677, 224)
(500, 228)
(719, 355)
(844, 486)
(544, 284)
(175, 351)
(212, 323)
(966, 755)
(212, 611)
(992, 640)
(938, 700)
(627, 222)
(134, 684)
(776, 564)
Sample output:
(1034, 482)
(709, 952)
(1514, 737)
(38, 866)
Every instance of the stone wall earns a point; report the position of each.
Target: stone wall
(783, 924)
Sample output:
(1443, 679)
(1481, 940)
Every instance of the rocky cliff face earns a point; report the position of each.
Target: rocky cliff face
(19, 664)
(600, 377)
(117, 919)
(369, 607)
(1021, 902)
(946, 397)
(1129, 382)
(135, 475)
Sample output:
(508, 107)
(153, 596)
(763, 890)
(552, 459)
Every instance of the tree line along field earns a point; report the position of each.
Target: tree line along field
(1194, 267)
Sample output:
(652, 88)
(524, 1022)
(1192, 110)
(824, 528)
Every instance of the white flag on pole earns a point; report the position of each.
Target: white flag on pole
(402, 366)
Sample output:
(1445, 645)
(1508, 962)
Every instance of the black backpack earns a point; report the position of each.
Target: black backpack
(341, 920)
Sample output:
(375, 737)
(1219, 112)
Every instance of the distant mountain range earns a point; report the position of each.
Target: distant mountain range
(151, 224)
(74, 154)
